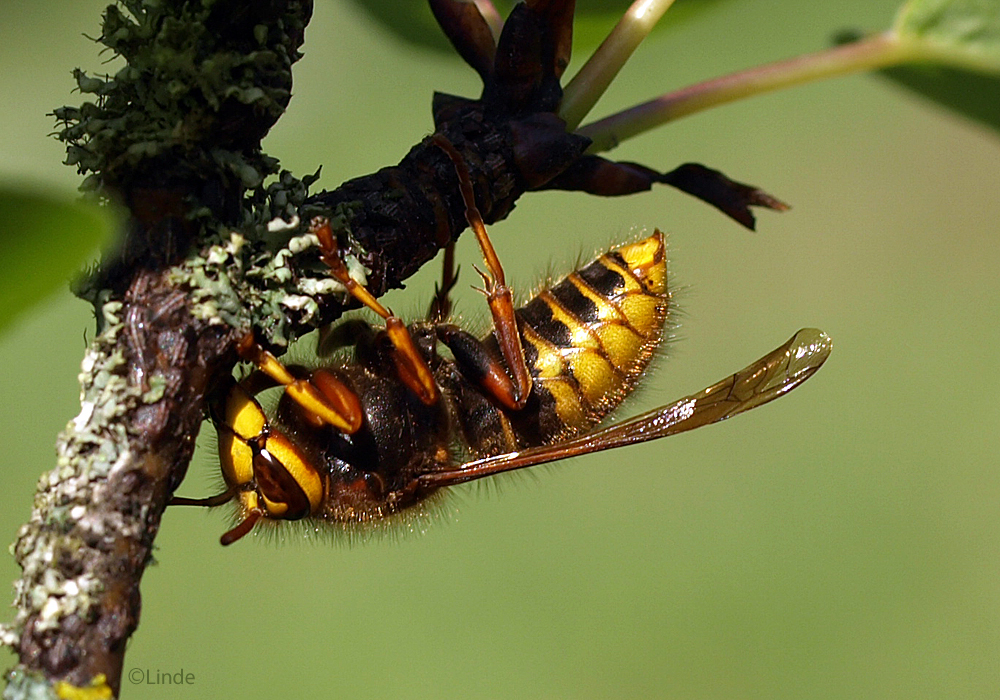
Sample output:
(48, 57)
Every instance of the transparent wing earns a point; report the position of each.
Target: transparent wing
(771, 376)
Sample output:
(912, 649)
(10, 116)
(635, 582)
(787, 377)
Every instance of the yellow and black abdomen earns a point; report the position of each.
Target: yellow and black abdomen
(587, 340)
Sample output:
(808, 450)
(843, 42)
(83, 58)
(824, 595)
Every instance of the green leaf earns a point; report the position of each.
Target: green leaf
(45, 241)
(956, 55)
(411, 20)
(962, 28)
(971, 94)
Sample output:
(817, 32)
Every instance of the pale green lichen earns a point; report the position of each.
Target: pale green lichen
(157, 121)
(209, 281)
(275, 292)
(164, 102)
(28, 686)
(92, 445)
(157, 388)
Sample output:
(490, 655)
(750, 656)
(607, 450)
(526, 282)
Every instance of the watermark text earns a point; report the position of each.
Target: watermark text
(149, 676)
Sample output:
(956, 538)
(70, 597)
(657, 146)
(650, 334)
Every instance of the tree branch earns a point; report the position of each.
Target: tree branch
(175, 136)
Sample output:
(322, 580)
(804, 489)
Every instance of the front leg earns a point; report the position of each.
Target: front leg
(411, 367)
(324, 398)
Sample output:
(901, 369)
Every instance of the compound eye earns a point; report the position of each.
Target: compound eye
(289, 486)
(243, 414)
(236, 458)
(243, 420)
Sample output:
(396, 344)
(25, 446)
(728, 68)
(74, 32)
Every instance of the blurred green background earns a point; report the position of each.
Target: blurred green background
(843, 542)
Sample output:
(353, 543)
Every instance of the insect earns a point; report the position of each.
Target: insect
(362, 441)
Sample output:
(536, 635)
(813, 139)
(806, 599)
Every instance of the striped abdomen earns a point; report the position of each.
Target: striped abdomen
(587, 340)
